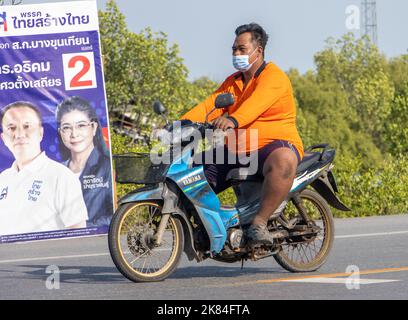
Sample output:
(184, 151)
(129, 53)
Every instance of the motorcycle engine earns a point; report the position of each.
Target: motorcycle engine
(235, 238)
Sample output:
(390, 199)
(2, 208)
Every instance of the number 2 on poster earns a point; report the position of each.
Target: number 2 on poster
(79, 71)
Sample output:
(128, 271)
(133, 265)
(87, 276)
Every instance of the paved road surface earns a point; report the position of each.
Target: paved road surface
(378, 246)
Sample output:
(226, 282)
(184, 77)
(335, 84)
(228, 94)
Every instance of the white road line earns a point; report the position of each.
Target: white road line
(363, 235)
(90, 255)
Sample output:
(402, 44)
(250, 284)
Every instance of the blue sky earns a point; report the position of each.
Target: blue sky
(204, 30)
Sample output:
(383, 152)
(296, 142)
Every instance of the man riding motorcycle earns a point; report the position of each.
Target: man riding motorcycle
(263, 102)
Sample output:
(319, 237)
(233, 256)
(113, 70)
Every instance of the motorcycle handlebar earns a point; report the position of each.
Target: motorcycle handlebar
(202, 126)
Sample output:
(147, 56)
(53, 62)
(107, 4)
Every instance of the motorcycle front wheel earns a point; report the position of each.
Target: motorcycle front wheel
(133, 246)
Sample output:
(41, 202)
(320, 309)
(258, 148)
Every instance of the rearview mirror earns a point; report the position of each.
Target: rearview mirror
(158, 108)
(224, 100)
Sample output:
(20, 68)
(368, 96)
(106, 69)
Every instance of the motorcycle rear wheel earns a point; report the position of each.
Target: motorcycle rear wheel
(132, 246)
(308, 253)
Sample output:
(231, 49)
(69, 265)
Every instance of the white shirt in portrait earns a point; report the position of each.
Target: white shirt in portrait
(43, 196)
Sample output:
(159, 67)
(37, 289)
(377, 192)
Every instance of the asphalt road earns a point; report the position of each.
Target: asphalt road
(376, 246)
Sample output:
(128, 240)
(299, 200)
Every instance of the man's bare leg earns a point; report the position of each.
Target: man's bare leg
(279, 172)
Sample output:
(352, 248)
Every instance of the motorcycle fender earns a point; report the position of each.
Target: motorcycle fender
(326, 187)
(143, 194)
(189, 248)
(171, 195)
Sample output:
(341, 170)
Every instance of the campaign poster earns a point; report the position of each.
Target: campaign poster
(55, 159)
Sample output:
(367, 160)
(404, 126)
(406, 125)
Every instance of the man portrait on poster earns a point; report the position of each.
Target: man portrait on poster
(36, 193)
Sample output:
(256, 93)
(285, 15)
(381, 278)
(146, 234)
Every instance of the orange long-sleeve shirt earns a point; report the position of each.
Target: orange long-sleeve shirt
(266, 105)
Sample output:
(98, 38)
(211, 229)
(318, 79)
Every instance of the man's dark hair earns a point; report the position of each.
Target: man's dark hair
(257, 32)
(20, 104)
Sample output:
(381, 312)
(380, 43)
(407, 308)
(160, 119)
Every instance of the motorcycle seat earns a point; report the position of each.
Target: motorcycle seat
(309, 159)
(242, 174)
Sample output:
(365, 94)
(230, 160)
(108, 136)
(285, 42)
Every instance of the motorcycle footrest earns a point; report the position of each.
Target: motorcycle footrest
(300, 228)
(306, 232)
(279, 234)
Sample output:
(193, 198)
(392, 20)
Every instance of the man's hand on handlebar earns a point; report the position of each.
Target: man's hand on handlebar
(223, 123)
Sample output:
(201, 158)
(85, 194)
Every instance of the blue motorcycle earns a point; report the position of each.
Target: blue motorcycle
(177, 211)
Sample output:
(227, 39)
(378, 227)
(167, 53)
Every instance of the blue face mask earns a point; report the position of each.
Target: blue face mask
(241, 63)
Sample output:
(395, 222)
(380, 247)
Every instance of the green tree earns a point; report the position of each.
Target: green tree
(141, 68)
(200, 89)
(361, 71)
(325, 115)
(395, 133)
(397, 70)
(11, 2)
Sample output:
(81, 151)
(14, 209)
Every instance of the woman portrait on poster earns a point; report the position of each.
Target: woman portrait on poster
(84, 151)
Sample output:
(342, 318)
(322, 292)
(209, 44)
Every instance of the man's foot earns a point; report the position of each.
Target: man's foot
(258, 234)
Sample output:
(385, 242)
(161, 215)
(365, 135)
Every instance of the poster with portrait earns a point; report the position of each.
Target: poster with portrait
(55, 161)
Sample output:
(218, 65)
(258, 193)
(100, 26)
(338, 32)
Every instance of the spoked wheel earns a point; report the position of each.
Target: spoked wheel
(309, 248)
(133, 246)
